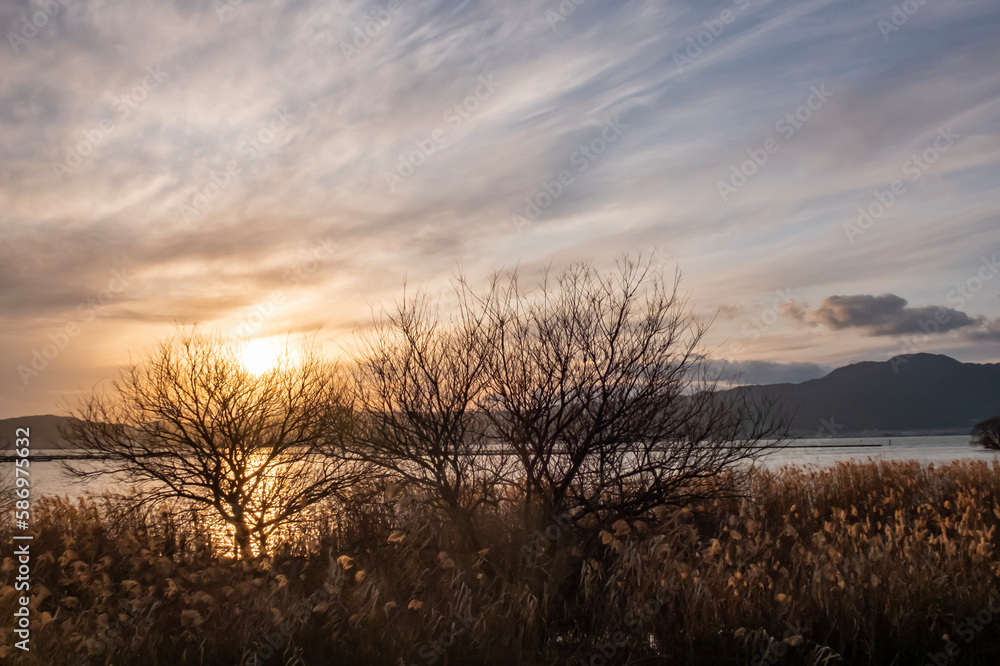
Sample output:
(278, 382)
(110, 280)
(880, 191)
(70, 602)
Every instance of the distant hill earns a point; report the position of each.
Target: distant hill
(924, 394)
(44, 431)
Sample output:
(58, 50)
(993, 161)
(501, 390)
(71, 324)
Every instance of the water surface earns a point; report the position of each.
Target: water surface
(49, 478)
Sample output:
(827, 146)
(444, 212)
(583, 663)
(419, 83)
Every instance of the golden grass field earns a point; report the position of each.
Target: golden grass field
(861, 563)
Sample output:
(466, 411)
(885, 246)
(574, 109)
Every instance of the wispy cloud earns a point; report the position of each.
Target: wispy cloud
(355, 106)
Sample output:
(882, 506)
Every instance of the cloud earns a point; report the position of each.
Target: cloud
(354, 118)
(768, 372)
(795, 309)
(731, 311)
(887, 314)
(987, 331)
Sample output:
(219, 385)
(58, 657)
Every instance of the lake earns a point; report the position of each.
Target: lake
(48, 477)
(822, 452)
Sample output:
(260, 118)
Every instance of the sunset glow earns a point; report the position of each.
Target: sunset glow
(261, 355)
(483, 332)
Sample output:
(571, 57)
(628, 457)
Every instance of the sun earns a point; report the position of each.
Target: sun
(261, 355)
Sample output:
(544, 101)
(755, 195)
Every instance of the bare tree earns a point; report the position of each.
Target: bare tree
(599, 386)
(592, 392)
(987, 433)
(418, 378)
(189, 423)
(8, 492)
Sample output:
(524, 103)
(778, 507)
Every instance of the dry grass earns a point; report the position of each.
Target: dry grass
(856, 564)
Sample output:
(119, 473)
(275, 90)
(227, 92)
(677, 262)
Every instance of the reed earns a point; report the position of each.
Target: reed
(861, 563)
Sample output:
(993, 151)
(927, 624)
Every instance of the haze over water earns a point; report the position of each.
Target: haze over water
(49, 479)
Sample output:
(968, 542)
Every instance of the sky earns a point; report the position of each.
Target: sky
(823, 173)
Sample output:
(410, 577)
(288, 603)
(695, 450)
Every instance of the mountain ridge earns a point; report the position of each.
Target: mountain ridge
(920, 393)
(929, 394)
(43, 431)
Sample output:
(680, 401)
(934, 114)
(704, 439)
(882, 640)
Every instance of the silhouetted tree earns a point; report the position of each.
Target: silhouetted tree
(189, 423)
(418, 376)
(987, 433)
(599, 385)
(591, 394)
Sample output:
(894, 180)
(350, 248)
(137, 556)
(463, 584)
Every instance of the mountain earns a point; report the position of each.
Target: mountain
(43, 431)
(918, 394)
